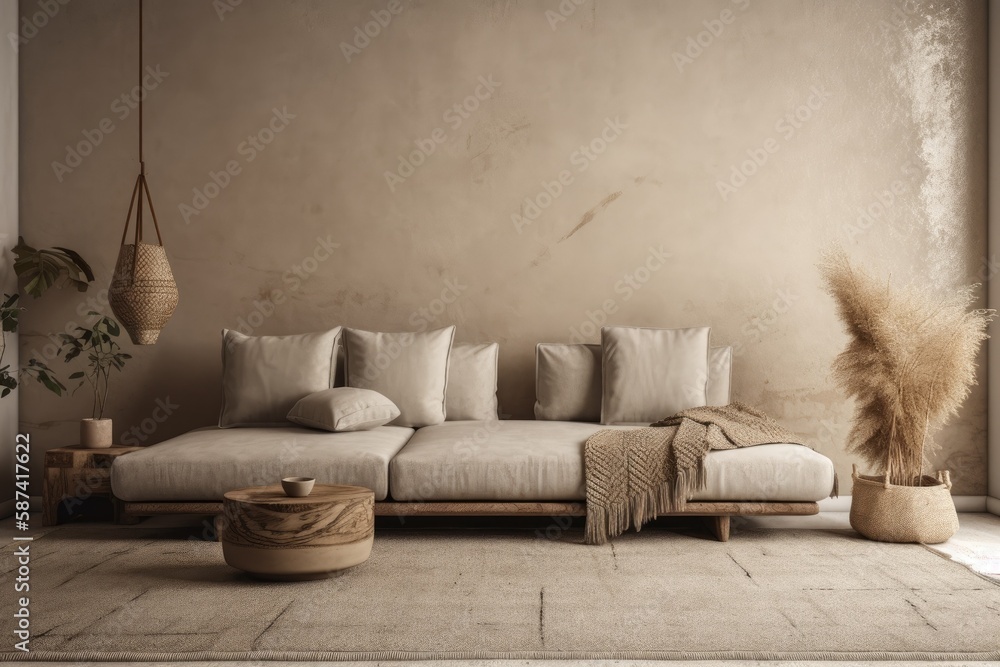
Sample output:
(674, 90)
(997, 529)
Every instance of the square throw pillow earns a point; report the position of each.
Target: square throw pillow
(344, 409)
(410, 369)
(568, 382)
(264, 376)
(650, 372)
(340, 379)
(720, 374)
(472, 382)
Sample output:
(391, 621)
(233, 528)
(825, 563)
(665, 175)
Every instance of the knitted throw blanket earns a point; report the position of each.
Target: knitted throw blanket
(633, 476)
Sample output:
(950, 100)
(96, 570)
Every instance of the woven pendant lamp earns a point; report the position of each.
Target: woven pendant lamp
(143, 293)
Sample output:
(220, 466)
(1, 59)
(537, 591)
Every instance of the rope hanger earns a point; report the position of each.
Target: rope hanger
(140, 182)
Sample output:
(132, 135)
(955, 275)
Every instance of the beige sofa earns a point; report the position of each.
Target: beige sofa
(481, 466)
(501, 461)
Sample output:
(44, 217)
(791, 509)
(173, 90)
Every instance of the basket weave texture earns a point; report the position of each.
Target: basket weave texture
(143, 293)
(889, 513)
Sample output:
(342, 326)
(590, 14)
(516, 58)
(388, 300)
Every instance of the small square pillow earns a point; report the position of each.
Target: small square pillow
(568, 382)
(472, 382)
(263, 376)
(410, 369)
(650, 372)
(344, 409)
(720, 374)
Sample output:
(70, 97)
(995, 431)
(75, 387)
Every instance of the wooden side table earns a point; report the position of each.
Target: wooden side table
(273, 536)
(73, 474)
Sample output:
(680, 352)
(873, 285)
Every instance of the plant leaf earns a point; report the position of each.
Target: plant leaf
(41, 269)
(79, 262)
(50, 384)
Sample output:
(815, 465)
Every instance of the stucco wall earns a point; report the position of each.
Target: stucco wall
(994, 250)
(598, 170)
(8, 233)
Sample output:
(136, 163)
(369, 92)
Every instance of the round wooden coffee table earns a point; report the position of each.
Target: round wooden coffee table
(273, 536)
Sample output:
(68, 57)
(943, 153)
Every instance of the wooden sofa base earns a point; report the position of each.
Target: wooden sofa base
(717, 513)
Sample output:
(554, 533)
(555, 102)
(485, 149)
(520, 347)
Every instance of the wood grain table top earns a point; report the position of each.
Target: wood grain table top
(321, 494)
(77, 456)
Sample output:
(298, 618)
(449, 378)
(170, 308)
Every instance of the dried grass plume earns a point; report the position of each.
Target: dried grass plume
(909, 365)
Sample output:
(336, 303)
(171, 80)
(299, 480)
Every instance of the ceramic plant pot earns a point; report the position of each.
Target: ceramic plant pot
(96, 433)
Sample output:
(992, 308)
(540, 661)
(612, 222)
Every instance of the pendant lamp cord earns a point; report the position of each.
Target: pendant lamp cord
(142, 163)
(141, 187)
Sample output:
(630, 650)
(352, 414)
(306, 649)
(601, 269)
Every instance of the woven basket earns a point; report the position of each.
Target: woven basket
(889, 513)
(143, 292)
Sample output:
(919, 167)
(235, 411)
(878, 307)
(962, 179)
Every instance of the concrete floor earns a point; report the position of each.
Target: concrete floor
(976, 545)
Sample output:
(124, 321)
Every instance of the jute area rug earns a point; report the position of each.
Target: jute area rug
(102, 592)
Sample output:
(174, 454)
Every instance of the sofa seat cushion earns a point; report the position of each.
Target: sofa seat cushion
(205, 464)
(543, 461)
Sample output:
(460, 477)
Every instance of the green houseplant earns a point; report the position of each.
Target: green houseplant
(104, 356)
(909, 366)
(39, 270)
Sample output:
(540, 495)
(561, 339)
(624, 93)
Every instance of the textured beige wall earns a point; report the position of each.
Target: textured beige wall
(641, 108)
(8, 230)
(994, 250)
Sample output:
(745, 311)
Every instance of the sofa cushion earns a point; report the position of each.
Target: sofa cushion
(344, 409)
(204, 464)
(410, 369)
(264, 376)
(720, 376)
(568, 382)
(651, 374)
(472, 382)
(543, 461)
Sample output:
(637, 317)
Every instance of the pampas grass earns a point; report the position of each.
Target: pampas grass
(909, 365)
